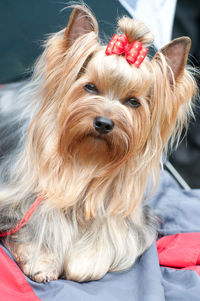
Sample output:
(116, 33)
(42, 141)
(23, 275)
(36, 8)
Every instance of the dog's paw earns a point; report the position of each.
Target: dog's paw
(81, 268)
(41, 268)
(41, 276)
(41, 271)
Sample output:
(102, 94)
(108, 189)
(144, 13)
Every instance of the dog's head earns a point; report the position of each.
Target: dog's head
(103, 111)
(106, 104)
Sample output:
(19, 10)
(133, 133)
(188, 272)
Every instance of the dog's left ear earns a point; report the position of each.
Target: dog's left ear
(176, 54)
(81, 22)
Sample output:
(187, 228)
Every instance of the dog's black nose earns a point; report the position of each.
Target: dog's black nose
(103, 125)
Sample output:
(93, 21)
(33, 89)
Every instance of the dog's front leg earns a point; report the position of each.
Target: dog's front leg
(91, 255)
(37, 265)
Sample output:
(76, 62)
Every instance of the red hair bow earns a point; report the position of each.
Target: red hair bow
(134, 52)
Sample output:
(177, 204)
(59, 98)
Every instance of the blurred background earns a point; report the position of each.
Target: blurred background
(25, 24)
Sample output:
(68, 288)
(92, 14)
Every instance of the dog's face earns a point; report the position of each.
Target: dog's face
(106, 115)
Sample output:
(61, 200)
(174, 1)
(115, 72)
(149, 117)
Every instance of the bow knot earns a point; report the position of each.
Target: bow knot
(134, 52)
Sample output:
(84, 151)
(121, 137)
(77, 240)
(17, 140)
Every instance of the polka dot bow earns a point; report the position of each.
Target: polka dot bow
(134, 52)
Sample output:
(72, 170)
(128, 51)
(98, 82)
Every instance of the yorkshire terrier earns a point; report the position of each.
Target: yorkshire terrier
(80, 144)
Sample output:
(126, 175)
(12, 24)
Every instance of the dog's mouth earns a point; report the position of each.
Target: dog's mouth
(99, 138)
(96, 136)
(87, 144)
(91, 148)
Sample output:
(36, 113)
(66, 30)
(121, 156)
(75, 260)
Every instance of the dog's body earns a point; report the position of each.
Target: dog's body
(87, 134)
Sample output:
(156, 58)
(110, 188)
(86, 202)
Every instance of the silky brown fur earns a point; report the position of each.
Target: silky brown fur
(91, 219)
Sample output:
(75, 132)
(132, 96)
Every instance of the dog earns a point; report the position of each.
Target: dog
(81, 142)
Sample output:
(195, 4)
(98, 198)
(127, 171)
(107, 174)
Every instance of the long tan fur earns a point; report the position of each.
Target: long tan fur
(91, 220)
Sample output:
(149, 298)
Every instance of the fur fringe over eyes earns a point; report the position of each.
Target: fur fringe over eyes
(91, 220)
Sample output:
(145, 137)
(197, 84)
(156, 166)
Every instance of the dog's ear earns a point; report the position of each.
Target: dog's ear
(81, 22)
(176, 54)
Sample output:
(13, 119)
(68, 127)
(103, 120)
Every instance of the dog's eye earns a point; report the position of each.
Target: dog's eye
(90, 88)
(133, 102)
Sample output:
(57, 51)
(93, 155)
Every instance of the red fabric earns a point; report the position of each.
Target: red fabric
(13, 284)
(180, 251)
(134, 52)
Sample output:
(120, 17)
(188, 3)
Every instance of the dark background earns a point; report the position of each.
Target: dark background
(24, 24)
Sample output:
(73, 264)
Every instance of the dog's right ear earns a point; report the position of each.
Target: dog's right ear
(81, 22)
(176, 54)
